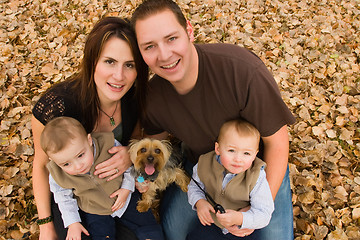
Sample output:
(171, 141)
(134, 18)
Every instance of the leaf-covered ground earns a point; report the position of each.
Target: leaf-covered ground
(312, 48)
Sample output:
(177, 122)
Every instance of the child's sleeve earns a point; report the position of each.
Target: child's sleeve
(128, 180)
(261, 205)
(117, 143)
(194, 192)
(67, 203)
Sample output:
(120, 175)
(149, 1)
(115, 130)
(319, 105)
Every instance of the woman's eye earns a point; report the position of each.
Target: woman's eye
(66, 164)
(130, 65)
(157, 151)
(172, 39)
(109, 61)
(143, 150)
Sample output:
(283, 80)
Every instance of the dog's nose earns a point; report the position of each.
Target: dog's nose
(150, 158)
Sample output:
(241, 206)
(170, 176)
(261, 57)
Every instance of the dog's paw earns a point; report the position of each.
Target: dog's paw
(182, 181)
(142, 206)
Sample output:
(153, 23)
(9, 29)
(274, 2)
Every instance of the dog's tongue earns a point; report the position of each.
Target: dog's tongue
(149, 169)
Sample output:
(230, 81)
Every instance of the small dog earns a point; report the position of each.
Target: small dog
(152, 163)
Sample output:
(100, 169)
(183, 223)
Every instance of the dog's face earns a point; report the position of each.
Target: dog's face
(149, 156)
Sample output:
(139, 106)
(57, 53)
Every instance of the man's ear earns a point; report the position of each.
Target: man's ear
(190, 31)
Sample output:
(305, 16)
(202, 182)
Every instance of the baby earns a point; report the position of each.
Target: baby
(73, 156)
(234, 178)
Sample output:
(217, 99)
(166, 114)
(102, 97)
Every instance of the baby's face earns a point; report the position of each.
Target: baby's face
(237, 152)
(76, 158)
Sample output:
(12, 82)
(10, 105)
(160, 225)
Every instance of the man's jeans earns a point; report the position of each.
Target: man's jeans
(178, 218)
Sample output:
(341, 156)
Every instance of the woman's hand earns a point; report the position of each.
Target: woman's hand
(114, 166)
(47, 232)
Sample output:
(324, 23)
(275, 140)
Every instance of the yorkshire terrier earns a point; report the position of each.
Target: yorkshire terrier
(154, 163)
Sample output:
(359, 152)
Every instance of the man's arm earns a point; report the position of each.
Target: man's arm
(276, 152)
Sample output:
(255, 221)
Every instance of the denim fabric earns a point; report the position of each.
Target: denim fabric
(178, 218)
(212, 233)
(281, 223)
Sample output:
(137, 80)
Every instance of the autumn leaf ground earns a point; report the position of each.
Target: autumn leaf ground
(312, 48)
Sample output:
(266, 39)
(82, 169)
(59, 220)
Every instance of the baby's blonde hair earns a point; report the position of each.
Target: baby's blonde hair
(242, 127)
(59, 132)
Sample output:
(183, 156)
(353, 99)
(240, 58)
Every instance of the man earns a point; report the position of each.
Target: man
(196, 88)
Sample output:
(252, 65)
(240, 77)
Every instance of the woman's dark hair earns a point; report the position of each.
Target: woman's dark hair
(83, 82)
(150, 7)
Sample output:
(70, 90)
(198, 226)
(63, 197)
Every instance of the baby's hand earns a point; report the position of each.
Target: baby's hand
(229, 218)
(122, 195)
(75, 230)
(203, 211)
(142, 186)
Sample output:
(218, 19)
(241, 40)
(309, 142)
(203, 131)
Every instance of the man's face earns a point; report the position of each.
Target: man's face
(165, 46)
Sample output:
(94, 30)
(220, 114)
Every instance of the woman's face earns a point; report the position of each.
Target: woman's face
(115, 71)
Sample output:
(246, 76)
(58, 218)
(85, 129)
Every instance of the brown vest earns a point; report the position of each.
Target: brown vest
(91, 192)
(236, 193)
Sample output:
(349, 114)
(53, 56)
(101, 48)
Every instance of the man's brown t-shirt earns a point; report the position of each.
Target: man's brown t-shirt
(232, 83)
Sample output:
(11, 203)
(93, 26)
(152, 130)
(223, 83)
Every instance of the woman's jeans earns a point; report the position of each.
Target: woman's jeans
(178, 218)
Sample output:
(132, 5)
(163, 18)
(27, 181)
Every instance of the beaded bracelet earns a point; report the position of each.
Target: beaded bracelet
(44, 220)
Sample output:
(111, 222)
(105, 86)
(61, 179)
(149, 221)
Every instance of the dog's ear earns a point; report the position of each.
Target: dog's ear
(133, 149)
(168, 147)
(133, 141)
(167, 144)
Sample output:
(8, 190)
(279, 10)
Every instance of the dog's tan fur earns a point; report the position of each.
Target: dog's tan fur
(167, 170)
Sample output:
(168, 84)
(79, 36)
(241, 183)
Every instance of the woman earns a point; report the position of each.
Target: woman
(102, 96)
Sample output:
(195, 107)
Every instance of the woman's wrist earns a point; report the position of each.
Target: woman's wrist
(43, 221)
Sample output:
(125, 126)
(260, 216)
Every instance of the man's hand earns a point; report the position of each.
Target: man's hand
(234, 230)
